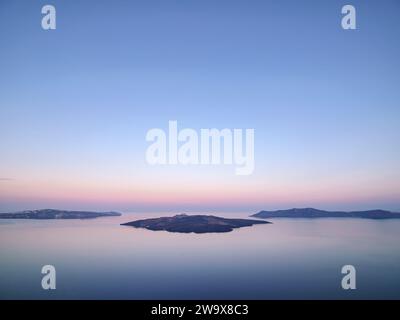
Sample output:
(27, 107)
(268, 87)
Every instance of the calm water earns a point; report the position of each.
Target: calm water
(98, 259)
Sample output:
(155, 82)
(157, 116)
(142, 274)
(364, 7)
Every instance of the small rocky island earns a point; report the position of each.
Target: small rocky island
(45, 214)
(193, 223)
(316, 213)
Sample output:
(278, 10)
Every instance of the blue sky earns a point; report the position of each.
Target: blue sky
(76, 102)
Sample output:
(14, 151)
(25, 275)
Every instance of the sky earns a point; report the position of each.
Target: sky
(76, 103)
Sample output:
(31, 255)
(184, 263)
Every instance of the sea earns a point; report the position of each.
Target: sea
(288, 259)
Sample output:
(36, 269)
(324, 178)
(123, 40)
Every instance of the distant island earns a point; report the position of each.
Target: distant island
(316, 213)
(193, 223)
(45, 214)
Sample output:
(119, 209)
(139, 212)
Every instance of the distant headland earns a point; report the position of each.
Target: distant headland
(193, 223)
(44, 214)
(316, 213)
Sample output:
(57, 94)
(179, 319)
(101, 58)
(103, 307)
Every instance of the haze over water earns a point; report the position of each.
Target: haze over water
(99, 259)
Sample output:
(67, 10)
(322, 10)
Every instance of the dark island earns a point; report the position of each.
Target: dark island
(45, 214)
(196, 223)
(316, 213)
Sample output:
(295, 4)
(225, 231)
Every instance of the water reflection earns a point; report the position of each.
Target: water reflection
(99, 259)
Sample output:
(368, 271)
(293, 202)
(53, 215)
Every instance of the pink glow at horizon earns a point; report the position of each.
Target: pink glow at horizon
(176, 194)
